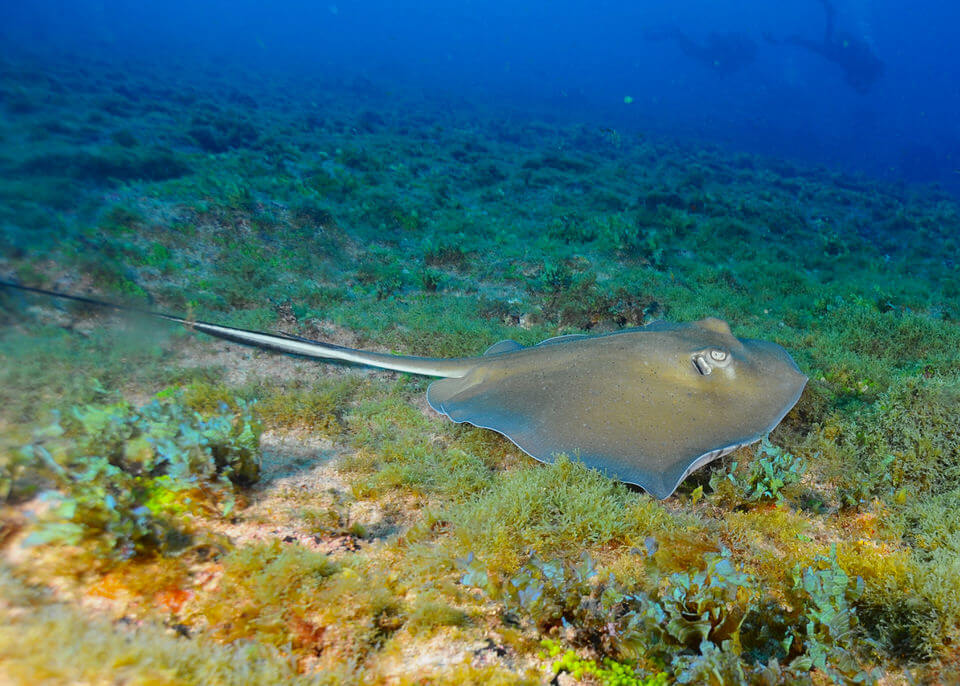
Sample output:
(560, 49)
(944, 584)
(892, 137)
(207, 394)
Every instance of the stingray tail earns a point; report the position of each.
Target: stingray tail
(283, 343)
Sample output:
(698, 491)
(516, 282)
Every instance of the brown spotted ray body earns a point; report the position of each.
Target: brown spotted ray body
(647, 406)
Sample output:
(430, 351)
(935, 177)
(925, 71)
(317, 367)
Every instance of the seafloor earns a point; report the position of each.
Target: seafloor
(375, 542)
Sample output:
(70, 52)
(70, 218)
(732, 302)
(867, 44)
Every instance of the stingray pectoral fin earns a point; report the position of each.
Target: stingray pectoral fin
(541, 431)
(623, 447)
(670, 479)
(466, 400)
(441, 394)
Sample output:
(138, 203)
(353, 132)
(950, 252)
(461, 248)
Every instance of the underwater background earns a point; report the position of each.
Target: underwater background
(575, 63)
(428, 179)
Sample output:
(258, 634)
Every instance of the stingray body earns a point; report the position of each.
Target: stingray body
(647, 406)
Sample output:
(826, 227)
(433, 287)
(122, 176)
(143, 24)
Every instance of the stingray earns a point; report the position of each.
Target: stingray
(647, 406)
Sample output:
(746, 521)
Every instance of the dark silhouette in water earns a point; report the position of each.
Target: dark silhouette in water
(861, 66)
(723, 52)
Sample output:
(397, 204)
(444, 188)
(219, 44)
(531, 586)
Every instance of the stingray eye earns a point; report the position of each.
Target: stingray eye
(707, 360)
(701, 364)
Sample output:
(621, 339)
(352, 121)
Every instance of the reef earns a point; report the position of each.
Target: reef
(180, 510)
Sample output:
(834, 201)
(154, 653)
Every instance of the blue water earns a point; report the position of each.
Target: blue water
(575, 61)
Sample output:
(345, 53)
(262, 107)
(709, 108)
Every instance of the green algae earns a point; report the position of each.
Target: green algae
(555, 510)
(770, 473)
(391, 454)
(125, 477)
(692, 624)
(608, 673)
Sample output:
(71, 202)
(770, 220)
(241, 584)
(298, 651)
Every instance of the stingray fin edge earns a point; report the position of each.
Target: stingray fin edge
(506, 346)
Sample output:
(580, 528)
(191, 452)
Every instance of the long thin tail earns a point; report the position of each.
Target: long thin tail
(283, 343)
